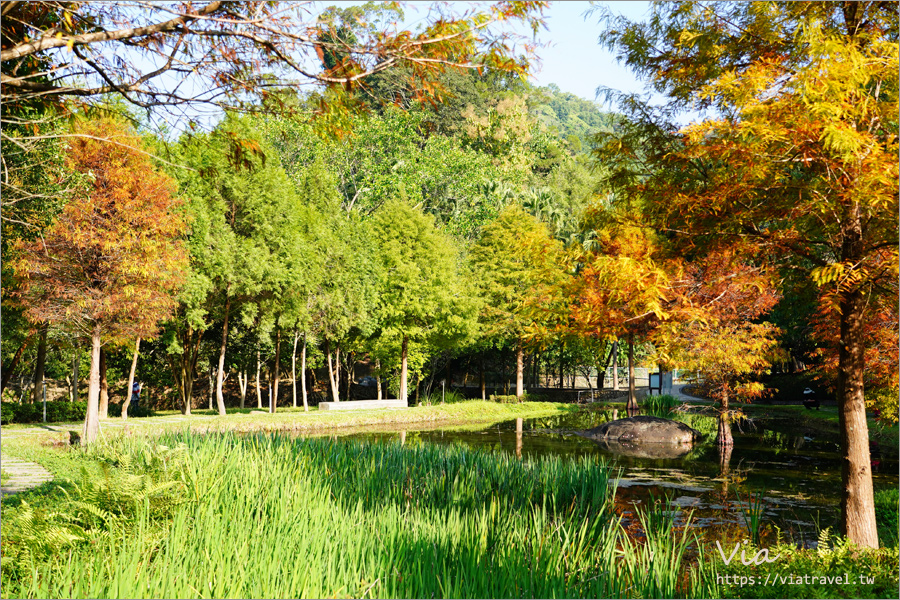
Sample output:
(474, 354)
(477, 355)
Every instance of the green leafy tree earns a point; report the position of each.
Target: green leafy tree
(423, 297)
(246, 243)
(515, 260)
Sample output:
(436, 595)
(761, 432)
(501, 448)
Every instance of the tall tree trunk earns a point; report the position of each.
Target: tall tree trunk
(350, 371)
(258, 391)
(91, 428)
(723, 436)
(520, 370)
(184, 367)
(38, 379)
(334, 389)
(561, 381)
(601, 374)
(403, 352)
(276, 376)
(104, 386)
(220, 397)
(615, 362)
(8, 370)
(378, 377)
(76, 372)
(857, 497)
(303, 374)
(211, 376)
(632, 400)
(483, 382)
(337, 368)
(243, 381)
(134, 359)
(294, 369)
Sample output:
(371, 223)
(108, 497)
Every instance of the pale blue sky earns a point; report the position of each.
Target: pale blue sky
(574, 60)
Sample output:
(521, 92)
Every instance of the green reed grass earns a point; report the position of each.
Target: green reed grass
(272, 516)
(660, 406)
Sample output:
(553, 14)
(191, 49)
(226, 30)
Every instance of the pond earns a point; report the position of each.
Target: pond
(795, 469)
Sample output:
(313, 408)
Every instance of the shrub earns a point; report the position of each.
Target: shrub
(57, 411)
(513, 399)
(834, 556)
(503, 399)
(139, 410)
(7, 412)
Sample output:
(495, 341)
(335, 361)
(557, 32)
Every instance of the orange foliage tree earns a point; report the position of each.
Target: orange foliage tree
(108, 268)
(798, 157)
(711, 328)
(621, 286)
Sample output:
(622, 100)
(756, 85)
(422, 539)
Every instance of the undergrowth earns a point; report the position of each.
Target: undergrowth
(271, 516)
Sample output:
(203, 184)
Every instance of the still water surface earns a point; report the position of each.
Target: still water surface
(796, 470)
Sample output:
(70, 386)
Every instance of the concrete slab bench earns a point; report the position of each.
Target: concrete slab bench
(362, 404)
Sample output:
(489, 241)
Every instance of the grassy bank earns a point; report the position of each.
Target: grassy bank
(274, 516)
(299, 420)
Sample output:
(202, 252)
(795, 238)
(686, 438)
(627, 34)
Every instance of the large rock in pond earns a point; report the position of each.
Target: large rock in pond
(645, 437)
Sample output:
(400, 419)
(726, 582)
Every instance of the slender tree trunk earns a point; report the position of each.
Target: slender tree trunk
(104, 386)
(857, 497)
(258, 391)
(632, 400)
(243, 381)
(91, 428)
(134, 359)
(303, 374)
(76, 372)
(211, 376)
(615, 362)
(334, 389)
(184, 367)
(403, 352)
(276, 376)
(220, 397)
(483, 382)
(40, 363)
(561, 381)
(294, 369)
(190, 372)
(378, 377)
(601, 375)
(337, 368)
(520, 371)
(8, 370)
(350, 372)
(723, 436)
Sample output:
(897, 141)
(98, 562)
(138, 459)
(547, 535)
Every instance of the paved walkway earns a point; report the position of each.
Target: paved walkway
(676, 391)
(22, 475)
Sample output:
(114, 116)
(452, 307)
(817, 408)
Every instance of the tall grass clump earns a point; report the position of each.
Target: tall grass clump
(442, 397)
(660, 406)
(272, 516)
